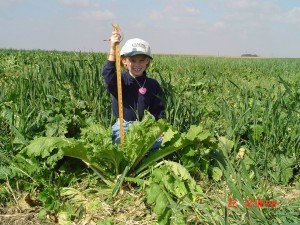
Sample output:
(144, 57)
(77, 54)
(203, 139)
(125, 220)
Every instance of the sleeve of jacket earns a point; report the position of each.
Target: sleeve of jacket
(110, 77)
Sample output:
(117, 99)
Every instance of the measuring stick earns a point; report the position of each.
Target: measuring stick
(119, 84)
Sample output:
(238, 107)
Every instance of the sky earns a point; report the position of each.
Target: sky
(268, 28)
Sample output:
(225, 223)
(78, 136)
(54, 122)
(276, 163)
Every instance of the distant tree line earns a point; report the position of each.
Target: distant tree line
(249, 55)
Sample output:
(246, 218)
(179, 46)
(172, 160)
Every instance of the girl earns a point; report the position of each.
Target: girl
(139, 92)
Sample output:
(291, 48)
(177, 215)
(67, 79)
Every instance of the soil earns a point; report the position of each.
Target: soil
(126, 209)
(13, 216)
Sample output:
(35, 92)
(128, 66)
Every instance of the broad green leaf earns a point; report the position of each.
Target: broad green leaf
(225, 145)
(197, 133)
(216, 173)
(140, 138)
(179, 181)
(57, 126)
(54, 148)
(180, 171)
(282, 168)
(168, 185)
(102, 150)
(152, 192)
(174, 141)
(169, 134)
(286, 165)
(161, 201)
(44, 146)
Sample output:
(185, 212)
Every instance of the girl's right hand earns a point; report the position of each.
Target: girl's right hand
(114, 38)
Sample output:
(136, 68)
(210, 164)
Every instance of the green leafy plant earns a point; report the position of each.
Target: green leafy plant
(171, 186)
(131, 161)
(109, 160)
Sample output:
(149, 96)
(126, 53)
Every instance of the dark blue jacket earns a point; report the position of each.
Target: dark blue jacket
(134, 103)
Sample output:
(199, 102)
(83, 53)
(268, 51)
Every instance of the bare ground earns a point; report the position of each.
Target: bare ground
(126, 209)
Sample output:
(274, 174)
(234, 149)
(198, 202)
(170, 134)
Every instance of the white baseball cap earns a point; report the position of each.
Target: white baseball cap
(136, 46)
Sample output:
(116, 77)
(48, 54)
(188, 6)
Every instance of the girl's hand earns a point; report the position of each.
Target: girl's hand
(114, 38)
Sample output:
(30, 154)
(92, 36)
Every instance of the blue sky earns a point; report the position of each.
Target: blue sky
(269, 28)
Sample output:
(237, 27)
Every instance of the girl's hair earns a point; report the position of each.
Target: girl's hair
(125, 67)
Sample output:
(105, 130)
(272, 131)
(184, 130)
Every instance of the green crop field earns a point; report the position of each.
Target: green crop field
(231, 150)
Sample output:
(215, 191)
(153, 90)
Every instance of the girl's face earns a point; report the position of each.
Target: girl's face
(136, 65)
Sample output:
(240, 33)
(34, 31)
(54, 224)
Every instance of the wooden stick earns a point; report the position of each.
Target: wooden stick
(119, 84)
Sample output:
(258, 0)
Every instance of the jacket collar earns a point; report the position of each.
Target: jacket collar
(139, 79)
